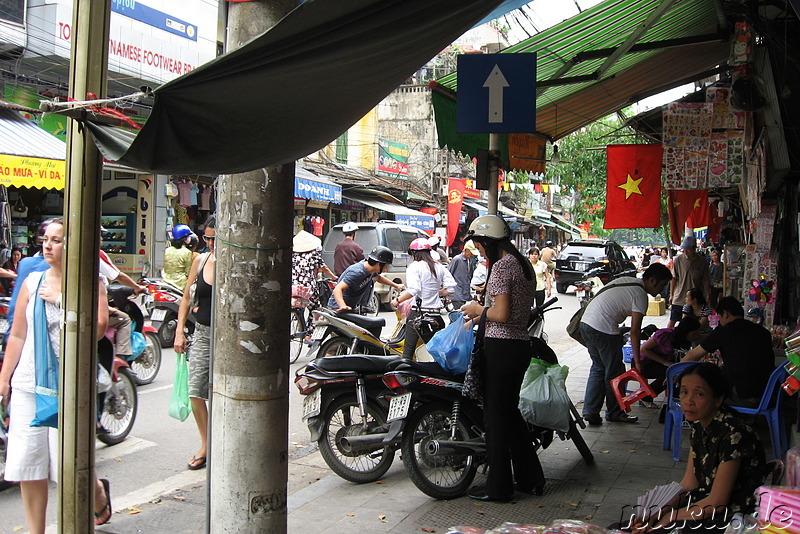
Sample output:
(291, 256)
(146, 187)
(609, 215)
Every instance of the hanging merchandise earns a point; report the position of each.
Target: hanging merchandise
(193, 194)
(317, 223)
(20, 210)
(205, 199)
(170, 190)
(184, 194)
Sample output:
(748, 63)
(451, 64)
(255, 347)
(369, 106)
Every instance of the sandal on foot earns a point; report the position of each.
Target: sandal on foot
(197, 463)
(104, 516)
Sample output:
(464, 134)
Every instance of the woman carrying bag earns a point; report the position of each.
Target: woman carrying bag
(33, 450)
(510, 289)
(427, 280)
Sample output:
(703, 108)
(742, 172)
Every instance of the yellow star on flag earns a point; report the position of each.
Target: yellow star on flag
(631, 186)
(696, 203)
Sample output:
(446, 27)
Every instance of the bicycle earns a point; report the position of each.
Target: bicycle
(298, 323)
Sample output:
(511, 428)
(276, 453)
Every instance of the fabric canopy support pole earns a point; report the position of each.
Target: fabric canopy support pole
(78, 352)
(292, 90)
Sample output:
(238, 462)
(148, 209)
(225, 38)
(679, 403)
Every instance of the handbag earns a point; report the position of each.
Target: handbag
(179, 404)
(574, 326)
(451, 347)
(46, 364)
(194, 302)
(473, 379)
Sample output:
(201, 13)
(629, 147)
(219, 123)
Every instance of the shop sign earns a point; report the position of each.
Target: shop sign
(299, 203)
(144, 215)
(22, 171)
(392, 159)
(318, 204)
(423, 222)
(317, 190)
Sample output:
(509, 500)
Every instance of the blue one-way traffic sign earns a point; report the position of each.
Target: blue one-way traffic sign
(496, 93)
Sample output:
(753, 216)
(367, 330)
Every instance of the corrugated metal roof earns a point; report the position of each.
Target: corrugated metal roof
(21, 137)
(570, 49)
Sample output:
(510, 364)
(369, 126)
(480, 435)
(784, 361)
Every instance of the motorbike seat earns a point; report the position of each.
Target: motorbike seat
(369, 323)
(427, 368)
(359, 363)
(118, 294)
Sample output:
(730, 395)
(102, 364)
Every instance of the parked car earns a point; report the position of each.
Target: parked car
(369, 235)
(581, 256)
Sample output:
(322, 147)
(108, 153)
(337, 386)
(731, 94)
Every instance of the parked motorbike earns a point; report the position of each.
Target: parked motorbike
(345, 405)
(146, 364)
(587, 287)
(162, 305)
(442, 432)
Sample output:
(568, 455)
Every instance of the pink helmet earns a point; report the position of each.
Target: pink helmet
(419, 243)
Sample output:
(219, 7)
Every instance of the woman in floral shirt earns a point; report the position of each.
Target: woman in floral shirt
(726, 461)
(307, 262)
(510, 288)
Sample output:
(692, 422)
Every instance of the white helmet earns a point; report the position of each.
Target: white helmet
(489, 227)
(349, 227)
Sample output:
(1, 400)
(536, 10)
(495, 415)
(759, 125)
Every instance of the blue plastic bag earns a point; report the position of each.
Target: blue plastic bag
(138, 344)
(46, 366)
(451, 347)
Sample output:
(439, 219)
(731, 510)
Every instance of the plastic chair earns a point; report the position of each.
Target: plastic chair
(625, 399)
(770, 408)
(673, 420)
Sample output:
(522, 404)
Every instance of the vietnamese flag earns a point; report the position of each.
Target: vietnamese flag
(455, 196)
(633, 189)
(687, 206)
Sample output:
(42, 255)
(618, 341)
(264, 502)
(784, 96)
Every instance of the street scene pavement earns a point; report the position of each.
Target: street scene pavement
(153, 492)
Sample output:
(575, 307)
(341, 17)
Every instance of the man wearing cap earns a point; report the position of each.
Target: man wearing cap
(689, 270)
(347, 251)
(462, 267)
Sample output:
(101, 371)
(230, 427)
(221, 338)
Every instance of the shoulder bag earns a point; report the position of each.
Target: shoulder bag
(193, 300)
(46, 366)
(473, 379)
(574, 326)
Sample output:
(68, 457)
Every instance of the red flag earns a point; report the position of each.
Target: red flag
(685, 205)
(633, 190)
(701, 213)
(715, 226)
(455, 196)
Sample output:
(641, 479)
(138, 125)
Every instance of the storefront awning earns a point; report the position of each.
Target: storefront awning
(604, 59)
(483, 209)
(402, 214)
(565, 225)
(314, 187)
(29, 156)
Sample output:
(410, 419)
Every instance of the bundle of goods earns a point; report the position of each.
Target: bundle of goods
(559, 526)
(778, 506)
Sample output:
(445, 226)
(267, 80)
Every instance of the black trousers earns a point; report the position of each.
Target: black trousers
(654, 370)
(510, 453)
(412, 336)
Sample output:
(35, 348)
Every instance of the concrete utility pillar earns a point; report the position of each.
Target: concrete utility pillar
(250, 396)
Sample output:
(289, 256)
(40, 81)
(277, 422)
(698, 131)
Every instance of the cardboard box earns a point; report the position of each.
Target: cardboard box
(656, 307)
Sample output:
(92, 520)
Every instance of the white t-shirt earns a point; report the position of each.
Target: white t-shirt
(607, 311)
(108, 271)
(420, 282)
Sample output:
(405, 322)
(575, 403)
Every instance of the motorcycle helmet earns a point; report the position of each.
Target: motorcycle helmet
(181, 231)
(491, 227)
(434, 241)
(349, 227)
(549, 244)
(381, 254)
(419, 243)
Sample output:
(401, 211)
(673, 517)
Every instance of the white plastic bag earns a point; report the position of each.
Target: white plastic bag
(543, 401)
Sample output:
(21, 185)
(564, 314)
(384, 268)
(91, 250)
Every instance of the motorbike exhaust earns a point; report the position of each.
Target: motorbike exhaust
(360, 444)
(441, 447)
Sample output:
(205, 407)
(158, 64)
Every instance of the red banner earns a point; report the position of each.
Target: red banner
(633, 189)
(685, 205)
(455, 196)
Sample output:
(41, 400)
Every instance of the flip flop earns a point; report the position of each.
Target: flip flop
(197, 463)
(98, 517)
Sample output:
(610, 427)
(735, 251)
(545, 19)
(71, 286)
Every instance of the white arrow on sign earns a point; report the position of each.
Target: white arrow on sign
(496, 82)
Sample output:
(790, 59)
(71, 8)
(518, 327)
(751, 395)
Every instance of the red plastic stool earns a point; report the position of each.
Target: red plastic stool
(625, 400)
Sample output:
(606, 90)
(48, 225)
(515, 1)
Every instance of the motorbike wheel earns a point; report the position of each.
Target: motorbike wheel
(297, 334)
(147, 365)
(166, 333)
(576, 437)
(444, 476)
(342, 419)
(335, 346)
(373, 306)
(119, 410)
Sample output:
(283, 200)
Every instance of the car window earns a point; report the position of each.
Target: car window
(333, 238)
(408, 237)
(612, 253)
(394, 239)
(583, 250)
(367, 238)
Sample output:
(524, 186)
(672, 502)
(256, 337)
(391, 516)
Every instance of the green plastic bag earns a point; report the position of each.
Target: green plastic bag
(179, 405)
(543, 399)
